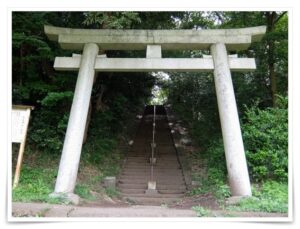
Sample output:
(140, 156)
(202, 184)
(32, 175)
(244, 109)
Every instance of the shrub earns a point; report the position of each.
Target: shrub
(215, 155)
(265, 134)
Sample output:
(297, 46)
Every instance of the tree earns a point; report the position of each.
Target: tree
(274, 34)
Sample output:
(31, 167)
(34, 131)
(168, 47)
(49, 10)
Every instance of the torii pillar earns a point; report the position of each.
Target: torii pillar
(232, 137)
(68, 167)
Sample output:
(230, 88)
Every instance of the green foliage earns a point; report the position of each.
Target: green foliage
(270, 197)
(35, 185)
(53, 98)
(111, 20)
(193, 98)
(265, 134)
(216, 179)
(48, 126)
(216, 162)
(222, 191)
(47, 130)
(112, 192)
(84, 192)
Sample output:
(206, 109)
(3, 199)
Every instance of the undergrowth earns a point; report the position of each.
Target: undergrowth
(265, 134)
(35, 184)
(101, 156)
(270, 196)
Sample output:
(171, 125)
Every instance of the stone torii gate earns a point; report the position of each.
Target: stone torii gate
(218, 41)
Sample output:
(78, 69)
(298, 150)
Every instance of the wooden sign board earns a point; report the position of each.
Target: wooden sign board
(19, 120)
(19, 123)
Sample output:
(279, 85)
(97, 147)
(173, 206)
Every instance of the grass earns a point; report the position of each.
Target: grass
(83, 191)
(38, 176)
(35, 184)
(112, 193)
(269, 197)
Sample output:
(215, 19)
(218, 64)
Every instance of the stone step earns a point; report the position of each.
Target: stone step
(158, 186)
(157, 196)
(177, 181)
(161, 177)
(151, 200)
(148, 167)
(148, 154)
(171, 167)
(157, 169)
(155, 173)
(147, 174)
(160, 191)
(145, 180)
(166, 164)
(159, 162)
(143, 157)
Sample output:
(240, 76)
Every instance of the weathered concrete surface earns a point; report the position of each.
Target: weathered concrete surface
(24, 210)
(51, 210)
(153, 64)
(69, 163)
(153, 51)
(231, 131)
(235, 39)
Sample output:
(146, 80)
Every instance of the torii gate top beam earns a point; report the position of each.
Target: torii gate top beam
(106, 39)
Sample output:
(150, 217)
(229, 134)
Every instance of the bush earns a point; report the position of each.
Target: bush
(49, 123)
(265, 134)
(217, 172)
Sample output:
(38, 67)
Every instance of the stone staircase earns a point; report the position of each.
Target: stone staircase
(136, 172)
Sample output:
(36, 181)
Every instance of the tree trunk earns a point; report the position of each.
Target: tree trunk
(100, 106)
(271, 18)
(22, 65)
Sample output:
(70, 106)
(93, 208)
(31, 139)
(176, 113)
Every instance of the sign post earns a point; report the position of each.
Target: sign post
(20, 119)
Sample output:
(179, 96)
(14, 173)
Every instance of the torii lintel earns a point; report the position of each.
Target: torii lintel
(108, 39)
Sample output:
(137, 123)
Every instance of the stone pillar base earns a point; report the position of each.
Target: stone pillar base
(66, 197)
(151, 188)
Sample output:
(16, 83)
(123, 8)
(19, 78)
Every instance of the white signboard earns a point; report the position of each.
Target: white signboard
(19, 122)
